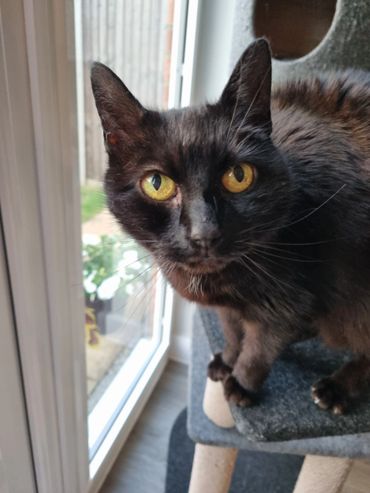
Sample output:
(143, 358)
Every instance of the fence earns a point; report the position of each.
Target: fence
(132, 37)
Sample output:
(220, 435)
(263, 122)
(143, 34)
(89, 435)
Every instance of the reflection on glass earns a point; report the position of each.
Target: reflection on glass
(119, 279)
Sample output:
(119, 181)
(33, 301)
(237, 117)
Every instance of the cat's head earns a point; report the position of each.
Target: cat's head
(195, 186)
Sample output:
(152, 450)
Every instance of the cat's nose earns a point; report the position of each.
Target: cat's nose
(204, 231)
(206, 237)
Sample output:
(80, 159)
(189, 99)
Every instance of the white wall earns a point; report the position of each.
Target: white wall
(213, 50)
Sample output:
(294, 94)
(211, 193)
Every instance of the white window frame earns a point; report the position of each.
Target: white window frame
(16, 467)
(39, 190)
(35, 179)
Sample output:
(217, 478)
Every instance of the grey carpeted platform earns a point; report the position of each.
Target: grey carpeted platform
(285, 420)
(257, 472)
(285, 410)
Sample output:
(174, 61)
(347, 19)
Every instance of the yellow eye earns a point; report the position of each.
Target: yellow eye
(238, 178)
(158, 186)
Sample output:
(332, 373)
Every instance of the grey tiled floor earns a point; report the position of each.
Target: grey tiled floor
(141, 465)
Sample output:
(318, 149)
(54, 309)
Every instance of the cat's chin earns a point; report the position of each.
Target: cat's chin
(208, 266)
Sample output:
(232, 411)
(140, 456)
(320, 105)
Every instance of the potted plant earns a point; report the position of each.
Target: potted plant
(111, 264)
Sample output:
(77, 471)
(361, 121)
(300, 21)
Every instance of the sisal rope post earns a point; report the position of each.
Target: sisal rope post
(213, 466)
(322, 474)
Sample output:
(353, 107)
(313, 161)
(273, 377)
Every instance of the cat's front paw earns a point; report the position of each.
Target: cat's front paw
(237, 394)
(217, 369)
(330, 395)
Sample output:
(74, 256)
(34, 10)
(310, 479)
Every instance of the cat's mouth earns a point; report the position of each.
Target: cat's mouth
(205, 265)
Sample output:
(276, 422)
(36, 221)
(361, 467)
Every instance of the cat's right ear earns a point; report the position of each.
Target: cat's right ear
(247, 95)
(120, 112)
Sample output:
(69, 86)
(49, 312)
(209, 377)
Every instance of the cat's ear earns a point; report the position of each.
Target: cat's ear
(247, 95)
(120, 112)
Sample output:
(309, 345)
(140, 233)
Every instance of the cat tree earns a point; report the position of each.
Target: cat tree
(306, 38)
(324, 35)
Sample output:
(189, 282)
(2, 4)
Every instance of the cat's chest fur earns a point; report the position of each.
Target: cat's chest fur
(235, 288)
(207, 289)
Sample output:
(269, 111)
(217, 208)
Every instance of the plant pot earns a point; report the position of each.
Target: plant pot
(101, 309)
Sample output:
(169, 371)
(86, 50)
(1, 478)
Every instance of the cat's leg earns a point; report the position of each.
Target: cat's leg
(336, 392)
(222, 364)
(259, 349)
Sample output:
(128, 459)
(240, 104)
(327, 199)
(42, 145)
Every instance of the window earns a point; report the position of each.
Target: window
(124, 291)
(125, 295)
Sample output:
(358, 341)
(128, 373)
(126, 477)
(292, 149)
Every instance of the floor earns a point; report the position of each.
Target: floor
(141, 466)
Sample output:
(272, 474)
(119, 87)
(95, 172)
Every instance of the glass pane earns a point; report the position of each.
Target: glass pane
(123, 289)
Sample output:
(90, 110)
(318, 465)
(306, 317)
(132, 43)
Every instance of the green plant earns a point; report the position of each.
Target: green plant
(112, 263)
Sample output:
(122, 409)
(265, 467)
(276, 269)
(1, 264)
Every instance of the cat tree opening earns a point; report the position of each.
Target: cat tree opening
(293, 27)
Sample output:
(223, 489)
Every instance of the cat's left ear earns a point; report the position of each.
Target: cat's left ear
(247, 95)
(120, 112)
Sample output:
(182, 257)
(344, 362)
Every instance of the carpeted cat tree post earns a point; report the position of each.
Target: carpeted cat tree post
(305, 37)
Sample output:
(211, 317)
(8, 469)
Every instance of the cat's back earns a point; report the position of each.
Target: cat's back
(336, 103)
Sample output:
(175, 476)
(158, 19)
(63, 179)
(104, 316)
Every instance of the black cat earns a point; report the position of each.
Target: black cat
(258, 205)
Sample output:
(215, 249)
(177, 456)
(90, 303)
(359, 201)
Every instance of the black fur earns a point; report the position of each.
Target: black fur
(290, 256)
